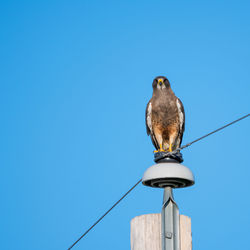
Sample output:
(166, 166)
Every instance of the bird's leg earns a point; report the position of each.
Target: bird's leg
(172, 140)
(170, 148)
(160, 150)
(159, 140)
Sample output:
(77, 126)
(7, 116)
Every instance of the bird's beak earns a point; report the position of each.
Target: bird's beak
(160, 81)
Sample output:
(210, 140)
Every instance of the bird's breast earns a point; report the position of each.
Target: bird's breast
(164, 111)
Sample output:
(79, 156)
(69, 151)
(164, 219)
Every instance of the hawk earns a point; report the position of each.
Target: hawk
(165, 117)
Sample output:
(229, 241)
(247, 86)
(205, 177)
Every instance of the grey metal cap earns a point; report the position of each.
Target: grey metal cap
(169, 174)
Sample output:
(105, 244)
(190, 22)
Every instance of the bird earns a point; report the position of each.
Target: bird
(165, 117)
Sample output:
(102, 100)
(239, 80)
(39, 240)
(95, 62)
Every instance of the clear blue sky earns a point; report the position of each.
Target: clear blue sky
(75, 79)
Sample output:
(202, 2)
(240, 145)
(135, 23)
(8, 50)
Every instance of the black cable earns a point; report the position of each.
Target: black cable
(189, 144)
(106, 212)
(185, 146)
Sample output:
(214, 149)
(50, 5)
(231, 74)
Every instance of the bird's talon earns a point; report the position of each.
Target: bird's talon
(160, 150)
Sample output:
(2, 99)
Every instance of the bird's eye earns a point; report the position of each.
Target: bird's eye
(166, 82)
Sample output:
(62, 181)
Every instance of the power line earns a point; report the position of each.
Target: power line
(227, 125)
(107, 212)
(185, 146)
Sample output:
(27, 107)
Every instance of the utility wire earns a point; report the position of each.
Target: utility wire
(227, 125)
(106, 212)
(185, 146)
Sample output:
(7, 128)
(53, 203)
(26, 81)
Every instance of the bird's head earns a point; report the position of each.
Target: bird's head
(161, 83)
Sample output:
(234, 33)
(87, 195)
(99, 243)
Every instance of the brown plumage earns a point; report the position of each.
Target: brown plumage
(165, 117)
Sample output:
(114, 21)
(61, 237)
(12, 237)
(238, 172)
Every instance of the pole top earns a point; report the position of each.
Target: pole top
(160, 157)
(168, 174)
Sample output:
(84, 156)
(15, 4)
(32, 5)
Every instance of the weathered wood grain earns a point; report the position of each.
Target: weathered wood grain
(146, 232)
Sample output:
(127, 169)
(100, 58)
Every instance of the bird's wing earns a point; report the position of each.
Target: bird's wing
(148, 117)
(181, 113)
(149, 126)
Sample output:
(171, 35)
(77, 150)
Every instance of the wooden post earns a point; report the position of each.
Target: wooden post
(146, 232)
(185, 232)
